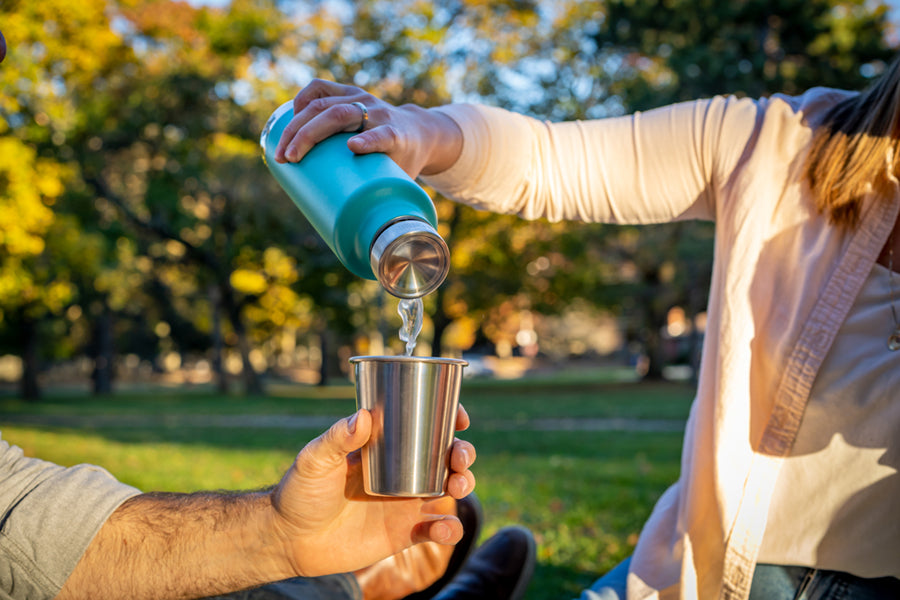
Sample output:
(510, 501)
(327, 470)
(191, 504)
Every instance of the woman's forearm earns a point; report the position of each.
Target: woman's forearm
(172, 546)
(446, 140)
(648, 167)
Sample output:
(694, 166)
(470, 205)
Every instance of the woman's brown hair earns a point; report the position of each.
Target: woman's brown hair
(855, 148)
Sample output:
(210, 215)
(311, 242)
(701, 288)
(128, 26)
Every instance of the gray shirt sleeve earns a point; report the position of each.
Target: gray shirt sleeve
(48, 516)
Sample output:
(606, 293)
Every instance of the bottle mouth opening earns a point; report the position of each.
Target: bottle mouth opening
(410, 259)
(273, 118)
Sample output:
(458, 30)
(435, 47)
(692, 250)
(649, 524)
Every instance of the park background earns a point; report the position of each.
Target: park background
(167, 312)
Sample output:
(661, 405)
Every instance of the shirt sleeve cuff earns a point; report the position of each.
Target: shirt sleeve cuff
(55, 516)
(474, 127)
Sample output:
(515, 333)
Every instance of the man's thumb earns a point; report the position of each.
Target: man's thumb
(330, 449)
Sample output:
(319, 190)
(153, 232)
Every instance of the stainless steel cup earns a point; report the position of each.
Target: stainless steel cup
(413, 401)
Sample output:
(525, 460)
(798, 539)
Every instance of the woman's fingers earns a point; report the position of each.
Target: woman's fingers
(417, 139)
(378, 138)
(321, 89)
(321, 109)
(311, 126)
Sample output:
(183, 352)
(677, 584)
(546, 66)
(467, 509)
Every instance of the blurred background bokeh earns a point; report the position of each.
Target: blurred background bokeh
(142, 240)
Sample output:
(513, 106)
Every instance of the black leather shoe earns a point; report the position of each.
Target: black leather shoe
(499, 570)
(471, 514)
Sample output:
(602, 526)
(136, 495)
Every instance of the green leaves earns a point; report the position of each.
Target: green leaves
(138, 120)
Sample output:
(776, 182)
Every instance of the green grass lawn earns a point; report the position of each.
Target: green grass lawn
(585, 494)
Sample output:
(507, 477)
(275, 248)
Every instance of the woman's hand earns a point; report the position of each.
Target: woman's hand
(419, 140)
(329, 525)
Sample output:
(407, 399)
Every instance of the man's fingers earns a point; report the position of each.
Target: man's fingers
(462, 480)
(349, 434)
(460, 485)
(446, 530)
(462, 455)
(462, 419)
(330, 450)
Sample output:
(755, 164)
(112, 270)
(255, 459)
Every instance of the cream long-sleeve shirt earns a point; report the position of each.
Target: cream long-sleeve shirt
(783, 282)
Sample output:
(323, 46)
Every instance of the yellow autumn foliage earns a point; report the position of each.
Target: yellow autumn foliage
(248, 281)
(25, 189)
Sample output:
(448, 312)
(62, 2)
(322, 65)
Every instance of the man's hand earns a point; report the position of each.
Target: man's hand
(328, 522)
(164, 546)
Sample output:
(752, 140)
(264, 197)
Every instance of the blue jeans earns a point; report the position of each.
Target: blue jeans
(775, 582)
(611, 586)
(330, 587)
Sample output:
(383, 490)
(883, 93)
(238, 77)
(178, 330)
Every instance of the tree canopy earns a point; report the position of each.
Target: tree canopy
(140, 220)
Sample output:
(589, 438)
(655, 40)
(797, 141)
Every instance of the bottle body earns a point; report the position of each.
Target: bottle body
(352, 199)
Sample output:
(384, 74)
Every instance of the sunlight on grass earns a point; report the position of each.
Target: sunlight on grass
(157, 466)
(584, 494)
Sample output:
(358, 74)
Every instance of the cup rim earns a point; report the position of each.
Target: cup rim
(410, 359)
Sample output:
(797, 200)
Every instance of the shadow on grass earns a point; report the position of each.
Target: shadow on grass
(498, 407)
(502, 424)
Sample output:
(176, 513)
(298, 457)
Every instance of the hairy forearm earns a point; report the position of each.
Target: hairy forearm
(172, 546)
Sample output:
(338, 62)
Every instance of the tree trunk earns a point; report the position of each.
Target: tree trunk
(29, 343)
(655, 353)
(104, 355)
(330, 366)
(218, 346)
(653, 319)
(696, 304)
(252, 382)
(441, 321)
(324, 362)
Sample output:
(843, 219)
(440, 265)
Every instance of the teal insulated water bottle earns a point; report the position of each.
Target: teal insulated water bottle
(373, 216)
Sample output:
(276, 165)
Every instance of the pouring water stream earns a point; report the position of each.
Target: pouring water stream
(410, 310)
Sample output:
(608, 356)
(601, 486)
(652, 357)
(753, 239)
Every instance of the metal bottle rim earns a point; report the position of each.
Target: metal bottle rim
(264, 136)
(403, 232)
(414, 359)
